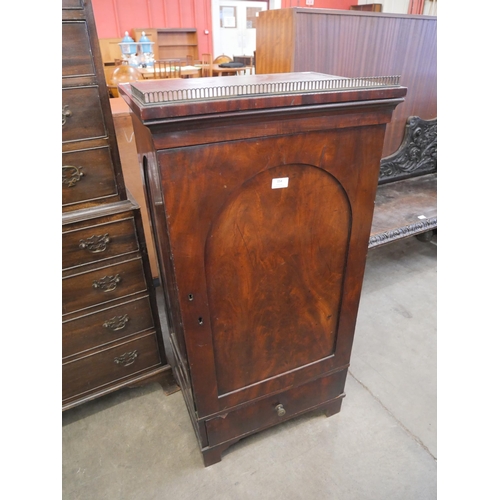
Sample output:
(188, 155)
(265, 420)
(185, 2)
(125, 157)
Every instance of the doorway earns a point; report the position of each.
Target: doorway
(233, 27)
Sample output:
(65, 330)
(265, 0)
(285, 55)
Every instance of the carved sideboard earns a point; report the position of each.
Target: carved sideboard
(111, 335)
(261, 191)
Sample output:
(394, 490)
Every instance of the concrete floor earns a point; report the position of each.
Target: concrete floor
(138, 444)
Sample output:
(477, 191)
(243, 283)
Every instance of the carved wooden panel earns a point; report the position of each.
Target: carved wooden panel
(417, 154)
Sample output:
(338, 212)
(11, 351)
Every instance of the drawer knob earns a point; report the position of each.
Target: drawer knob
(127, 358)
(280, 410)
(116, 323)
(108, 283)
(66, 113)
(96, 243)
(71, 175)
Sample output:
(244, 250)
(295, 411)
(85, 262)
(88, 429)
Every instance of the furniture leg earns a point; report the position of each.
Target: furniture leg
(334, 407)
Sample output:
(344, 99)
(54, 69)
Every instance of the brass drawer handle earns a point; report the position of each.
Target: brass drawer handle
(66, 113)
(116, 323)
(127, 358)
(280, 410)
(71, 175)
(107, 283)
(96, 243)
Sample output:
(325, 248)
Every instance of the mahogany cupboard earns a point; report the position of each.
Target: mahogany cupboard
(261, 190)
(111, 335)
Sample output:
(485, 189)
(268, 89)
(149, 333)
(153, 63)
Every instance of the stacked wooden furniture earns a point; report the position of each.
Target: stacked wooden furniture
(111, 335)
(261, 190)
(356, 44)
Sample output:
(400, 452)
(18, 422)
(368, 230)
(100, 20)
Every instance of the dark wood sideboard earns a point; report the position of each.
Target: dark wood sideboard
(111, 336)
(261, 190)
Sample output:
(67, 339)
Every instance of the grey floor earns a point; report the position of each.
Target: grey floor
(138, 444)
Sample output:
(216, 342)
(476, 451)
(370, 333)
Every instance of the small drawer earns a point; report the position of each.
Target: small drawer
(98, 242)
(87, 174)
(109, 365)
(102, 285)
(82, 114)
(269, 411)
(105, 326)
(76, 52)
(72, 4)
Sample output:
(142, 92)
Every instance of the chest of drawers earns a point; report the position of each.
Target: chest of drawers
(111, 335)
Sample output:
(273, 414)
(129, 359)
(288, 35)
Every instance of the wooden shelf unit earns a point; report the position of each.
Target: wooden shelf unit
(171, 43)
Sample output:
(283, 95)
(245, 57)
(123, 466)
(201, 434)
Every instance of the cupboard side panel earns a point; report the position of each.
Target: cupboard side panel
(275, 40)
(364, 44)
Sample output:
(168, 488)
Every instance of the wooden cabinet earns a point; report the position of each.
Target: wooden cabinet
(367, 7)
(171, 43)
(111, 335)
(261, 190)
(353, 44)
(131, 172)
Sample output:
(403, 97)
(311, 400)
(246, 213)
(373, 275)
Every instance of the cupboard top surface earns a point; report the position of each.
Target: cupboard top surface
(342, 12)
(175, 98)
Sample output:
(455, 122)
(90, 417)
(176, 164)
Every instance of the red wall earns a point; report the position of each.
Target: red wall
(114, 17)
(320, 4)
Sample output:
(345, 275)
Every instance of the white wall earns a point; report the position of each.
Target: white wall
(401, 6)
(239, 40)
(390, 6)
(430, 8)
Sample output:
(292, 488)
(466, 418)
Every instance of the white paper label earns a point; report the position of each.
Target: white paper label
(422, 217)
(279, 182)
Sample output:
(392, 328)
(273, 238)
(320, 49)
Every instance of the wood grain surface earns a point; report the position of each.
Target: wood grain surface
(356, 44)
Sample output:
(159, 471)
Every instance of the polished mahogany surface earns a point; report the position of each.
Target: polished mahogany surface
(261, 207)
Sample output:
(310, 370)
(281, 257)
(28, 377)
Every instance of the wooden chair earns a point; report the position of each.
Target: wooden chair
(169, 68)
(206, 65)
(222, 59)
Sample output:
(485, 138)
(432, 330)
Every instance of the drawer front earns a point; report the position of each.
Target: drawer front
(102, 285)
(72, 4)
(82, 114)
(87, 175)
(105, 326)
(100, 241)
(76, 52)
(264, 413)
(109, 365)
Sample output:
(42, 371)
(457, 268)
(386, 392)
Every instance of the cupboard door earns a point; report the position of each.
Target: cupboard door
(261, 239)
(274, 263)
